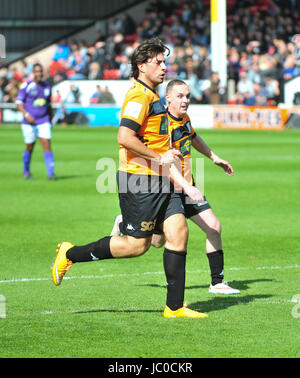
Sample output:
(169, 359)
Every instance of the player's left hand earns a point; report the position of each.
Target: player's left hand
(171, 156)
(194, 193)
(225, 165)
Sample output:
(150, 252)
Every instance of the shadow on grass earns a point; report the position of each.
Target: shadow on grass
(241, 285)
(216, 303)
(117, 311)
(222, 302)
(58, 178)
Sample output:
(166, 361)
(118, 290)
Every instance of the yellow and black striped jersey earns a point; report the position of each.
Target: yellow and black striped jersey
(182, 133)
(143, 112)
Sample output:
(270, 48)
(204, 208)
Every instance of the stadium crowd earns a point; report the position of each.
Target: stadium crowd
(261, 53)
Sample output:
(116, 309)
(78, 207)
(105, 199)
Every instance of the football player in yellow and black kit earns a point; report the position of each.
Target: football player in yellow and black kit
(147, 197)
(183, 138)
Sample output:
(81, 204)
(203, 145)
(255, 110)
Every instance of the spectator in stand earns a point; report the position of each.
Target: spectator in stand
(295, 47)
(248, 99)
(189, 67)
(281, 50)
(179, 56)
(76, 65)
(16, 75)
(114, 25)
(73, 95)
(83, 48)
(254, 74)
(95, 72)
(234, 64)
(96, 96)
(125, 68)
(11, 90)
(57, 71)
(216, 91)
(96, 53)
(237, 45)
(56, 98)
(198, 87)
(260, 94)
(9, 84)
(26, 70)
(107, 97)
(62, 51)
(237, 99)
(176, 71)
(273, 91)
(272, 68)
(290, 69)
(244, 85)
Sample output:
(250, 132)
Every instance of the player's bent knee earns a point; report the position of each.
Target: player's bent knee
(219, 228)
(216, 227)
(176, 239)
(158, 240)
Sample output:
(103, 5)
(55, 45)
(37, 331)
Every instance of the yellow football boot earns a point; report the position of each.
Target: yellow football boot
(183, 312)
(61, 264)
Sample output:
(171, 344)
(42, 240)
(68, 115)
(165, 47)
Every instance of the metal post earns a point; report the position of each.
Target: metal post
(219, 39)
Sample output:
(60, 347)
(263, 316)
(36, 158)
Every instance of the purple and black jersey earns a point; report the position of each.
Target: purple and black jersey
(35, 98)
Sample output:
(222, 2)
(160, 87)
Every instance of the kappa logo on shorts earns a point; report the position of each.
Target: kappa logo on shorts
(148, 226)
(130, 227)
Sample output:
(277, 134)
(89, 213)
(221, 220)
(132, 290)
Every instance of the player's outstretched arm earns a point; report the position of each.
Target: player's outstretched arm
(223, 164)
(199, 144)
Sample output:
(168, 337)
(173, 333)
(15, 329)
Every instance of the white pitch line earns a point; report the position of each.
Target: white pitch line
(17, 280)
(79, 277)
(229, 298)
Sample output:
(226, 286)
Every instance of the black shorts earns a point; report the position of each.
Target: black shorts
(191, 208)
(146, 202)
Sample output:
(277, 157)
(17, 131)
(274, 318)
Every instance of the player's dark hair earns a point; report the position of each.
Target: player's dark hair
(37, 65)
(146, 50)
(173, 83)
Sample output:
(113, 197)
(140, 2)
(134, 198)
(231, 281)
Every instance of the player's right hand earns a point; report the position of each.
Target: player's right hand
(171, 156)
(29, 118)
(224, 164)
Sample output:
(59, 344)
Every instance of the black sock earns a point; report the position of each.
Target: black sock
(174, 265)
(98, 250)
(216, 263)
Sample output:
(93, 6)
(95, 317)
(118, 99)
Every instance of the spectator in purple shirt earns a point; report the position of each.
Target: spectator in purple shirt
(33, 100)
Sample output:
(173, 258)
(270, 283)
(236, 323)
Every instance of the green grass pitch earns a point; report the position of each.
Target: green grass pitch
(113, 309)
